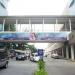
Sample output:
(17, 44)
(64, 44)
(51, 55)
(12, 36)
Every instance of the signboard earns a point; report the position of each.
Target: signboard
(52, 36)
(40, 52)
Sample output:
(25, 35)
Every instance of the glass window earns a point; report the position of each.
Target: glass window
(71, 4)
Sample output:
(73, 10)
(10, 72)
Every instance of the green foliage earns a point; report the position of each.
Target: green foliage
(8, 46)
(41, 72)
(41, 64)
(32, 48)
(41, 68)
(10, 27)
(21, 46)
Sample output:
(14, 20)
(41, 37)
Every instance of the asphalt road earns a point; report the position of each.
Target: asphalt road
(53, 67)
(19, 68)
(60, 67)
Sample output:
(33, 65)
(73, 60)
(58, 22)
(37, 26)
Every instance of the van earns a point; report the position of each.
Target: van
(3, 56)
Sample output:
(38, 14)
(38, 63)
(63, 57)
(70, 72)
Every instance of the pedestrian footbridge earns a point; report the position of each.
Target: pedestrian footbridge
(32, 35)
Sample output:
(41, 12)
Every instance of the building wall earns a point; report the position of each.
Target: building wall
(3, 10)
(3, 7)
(72, 37)
(70, 8)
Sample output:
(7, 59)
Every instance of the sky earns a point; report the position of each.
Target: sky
(36, 7)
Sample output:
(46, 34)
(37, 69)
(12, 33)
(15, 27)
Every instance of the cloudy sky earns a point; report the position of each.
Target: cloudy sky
(36, 7)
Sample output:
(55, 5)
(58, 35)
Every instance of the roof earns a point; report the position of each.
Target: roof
(34, 19)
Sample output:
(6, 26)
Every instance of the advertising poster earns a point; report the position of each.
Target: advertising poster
(53, 36)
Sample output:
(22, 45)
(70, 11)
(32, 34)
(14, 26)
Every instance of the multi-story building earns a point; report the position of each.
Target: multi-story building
(3, 7)
(70, 8)
(3, 10)
(67, 50)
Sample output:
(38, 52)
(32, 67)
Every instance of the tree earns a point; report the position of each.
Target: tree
(32, 48)
(20, 46)
(10, 27)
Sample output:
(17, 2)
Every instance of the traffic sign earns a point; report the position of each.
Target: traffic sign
(40, 52)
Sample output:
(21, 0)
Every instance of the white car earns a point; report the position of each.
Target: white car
(34, 57)
(55, 55)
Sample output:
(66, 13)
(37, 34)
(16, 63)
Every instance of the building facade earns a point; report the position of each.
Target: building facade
(67, 50)
(3, 10)
(3, 7)
(70, 8)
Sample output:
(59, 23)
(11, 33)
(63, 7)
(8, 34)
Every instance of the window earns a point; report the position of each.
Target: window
(2, 5)
(71, 4)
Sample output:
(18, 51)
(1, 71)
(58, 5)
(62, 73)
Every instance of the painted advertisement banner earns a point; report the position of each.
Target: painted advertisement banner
(53, 36)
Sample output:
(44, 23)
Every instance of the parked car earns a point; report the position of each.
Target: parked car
(55, 55)
(3, 56)
(12, 53)
(34, 57)
(20, 56)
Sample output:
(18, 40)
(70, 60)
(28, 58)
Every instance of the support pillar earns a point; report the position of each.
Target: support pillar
(70, 25)
(16, 24)
(72, 52)
(43, 26)
(31, 30)
(3, 24)
(65, 27)
(67, 53)
(62, 53)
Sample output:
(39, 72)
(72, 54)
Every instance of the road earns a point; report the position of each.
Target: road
(60, 67)
(19, 68)
(53, 67)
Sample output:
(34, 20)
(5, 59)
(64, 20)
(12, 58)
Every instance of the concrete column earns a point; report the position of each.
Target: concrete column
(54, 27)
(72, 52)
(31, 30)
(67, 53)
(3, 24)
(62, 53)
(65, 27)
(56, 21)
(43, 26)
(70, 24)
(20, 27)
(16, 24)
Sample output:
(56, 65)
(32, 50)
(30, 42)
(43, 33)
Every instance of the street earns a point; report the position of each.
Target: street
(19, 68)
(53, 67)
(60, 67)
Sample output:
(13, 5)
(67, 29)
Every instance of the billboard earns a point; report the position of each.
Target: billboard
(40, 52)
(52, 36)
